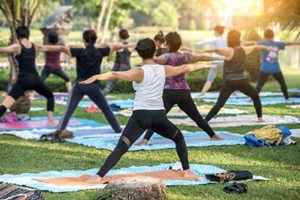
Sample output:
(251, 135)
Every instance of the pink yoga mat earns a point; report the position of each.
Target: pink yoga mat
(41, 122)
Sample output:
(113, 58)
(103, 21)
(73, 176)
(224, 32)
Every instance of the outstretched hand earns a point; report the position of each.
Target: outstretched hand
(89, 80)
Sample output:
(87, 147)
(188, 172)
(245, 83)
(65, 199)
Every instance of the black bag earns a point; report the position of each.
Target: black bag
(14, 192)
(230, 176)
(236, 188)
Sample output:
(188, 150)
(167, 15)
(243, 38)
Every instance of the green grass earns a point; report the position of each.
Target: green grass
(281, 164)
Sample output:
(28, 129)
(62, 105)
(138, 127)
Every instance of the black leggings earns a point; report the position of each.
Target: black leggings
(93, 91)
(137, 124)
(183, 99)
(263, 77)
(228, 88)
(56, 71)
(32, 82)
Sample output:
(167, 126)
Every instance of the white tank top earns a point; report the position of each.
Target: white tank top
(148, 93)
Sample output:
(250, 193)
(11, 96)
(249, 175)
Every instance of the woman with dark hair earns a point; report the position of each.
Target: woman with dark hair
(28, 78)
(233, 73)
(52, 65)
(148, 112)
(122, 60)
(176, 90)
(160, 41)
(269, 62)
(88, 63)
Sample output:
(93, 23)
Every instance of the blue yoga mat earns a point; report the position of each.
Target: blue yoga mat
(193, 139)
(264, 101)
(29, 179)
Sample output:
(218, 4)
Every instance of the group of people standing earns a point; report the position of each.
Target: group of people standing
(159, 83)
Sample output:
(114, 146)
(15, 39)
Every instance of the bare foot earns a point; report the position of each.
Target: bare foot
(260, 119)
(216, 137)
(188, 174)
(142, 142)
(52, 122)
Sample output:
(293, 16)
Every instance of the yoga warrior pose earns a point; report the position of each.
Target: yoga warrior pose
(88, 62)
(149, 111)
(218, 42)
(52, 65)
(269, 62)
(122, 60)
(233, 73)
(28, 78)
(177, 90)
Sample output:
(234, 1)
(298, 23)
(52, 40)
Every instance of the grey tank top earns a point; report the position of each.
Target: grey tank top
(234, 69)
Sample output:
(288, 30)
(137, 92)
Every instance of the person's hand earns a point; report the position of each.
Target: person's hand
(89, 80)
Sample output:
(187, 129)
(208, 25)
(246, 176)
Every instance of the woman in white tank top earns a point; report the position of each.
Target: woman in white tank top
(148, 112)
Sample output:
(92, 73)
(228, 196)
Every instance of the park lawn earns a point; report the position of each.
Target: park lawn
(280, 164)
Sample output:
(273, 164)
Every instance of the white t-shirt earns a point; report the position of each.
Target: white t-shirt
(148, 93)
(215, 43)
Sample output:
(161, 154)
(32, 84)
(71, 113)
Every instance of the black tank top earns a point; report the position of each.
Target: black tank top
(234, 68)
(26, 61)
(122, 61)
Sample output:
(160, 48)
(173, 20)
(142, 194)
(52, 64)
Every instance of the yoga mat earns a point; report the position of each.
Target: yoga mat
(294, 90)
(30, 179)
(295, 133)
(264, 100)
(241, 120)
(215, 95)
(123, 104)
(294, 106)
(193, 139)
(36, 109)
(78, 131)
(177, 113)
(41, 123)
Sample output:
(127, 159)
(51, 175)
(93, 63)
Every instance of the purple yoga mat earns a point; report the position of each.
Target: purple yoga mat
(41, 122)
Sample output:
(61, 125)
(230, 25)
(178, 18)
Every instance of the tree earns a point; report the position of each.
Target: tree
(285, 12)
(165, 15)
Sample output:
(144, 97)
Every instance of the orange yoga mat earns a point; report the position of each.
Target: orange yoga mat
(82, 180)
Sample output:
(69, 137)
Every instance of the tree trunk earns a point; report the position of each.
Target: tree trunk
(101, 15)
(107, 21)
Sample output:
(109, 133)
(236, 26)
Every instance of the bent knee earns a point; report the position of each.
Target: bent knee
(178, 137)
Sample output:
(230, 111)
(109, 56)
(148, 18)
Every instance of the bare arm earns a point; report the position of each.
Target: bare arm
(226, 52)
(196, 57)
(130, 75)
(50, 48)
(116, 46)
(249, 49)
(249, 43)
(14, 48)
(160, 60)
(292, 43)
(175, 71)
